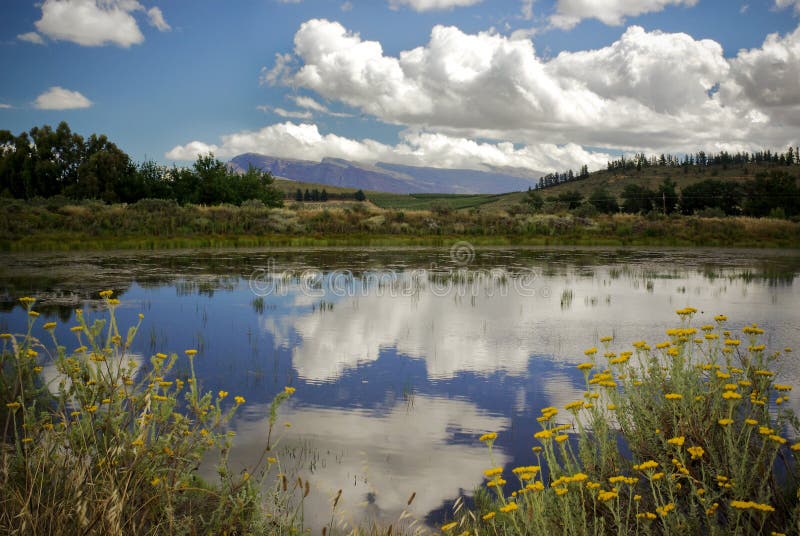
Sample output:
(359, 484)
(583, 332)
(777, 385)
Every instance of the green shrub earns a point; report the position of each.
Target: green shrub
(707, 456)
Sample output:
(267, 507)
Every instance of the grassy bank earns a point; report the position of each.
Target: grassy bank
(154, 224)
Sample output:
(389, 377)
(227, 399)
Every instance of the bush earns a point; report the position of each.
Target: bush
(694, 414)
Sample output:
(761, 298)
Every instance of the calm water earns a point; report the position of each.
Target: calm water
(401, 359)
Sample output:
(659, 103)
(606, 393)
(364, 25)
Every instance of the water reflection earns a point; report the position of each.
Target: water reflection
(393, 388)
(378, 458)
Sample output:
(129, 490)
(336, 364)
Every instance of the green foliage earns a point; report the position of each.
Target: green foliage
(603, 201)
(771, 191)
(637, 199)
(710, 193)
(47, 162)
(571, 198)
(360, 196)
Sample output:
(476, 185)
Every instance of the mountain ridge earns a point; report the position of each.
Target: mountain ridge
(387, 177)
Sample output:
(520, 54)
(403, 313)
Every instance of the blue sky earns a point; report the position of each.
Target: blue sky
(547, 84)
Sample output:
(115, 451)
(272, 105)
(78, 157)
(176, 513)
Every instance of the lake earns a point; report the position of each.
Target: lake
(402, 358)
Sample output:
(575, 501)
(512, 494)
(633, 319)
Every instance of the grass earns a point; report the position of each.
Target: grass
(431, 201)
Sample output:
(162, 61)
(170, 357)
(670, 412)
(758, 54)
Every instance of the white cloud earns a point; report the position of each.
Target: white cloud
(4, 106)
(279, 72)
(31, 37)
(58, 98)
(431, 5)
(612, 12)
(650, 91)
(157, 19)
(769, 77)
(781, 4)
(304, 141)
(311, 104)
(91, 22)
(346, 6)
(291, 114)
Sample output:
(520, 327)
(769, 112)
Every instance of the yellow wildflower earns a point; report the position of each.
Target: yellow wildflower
(491, 436)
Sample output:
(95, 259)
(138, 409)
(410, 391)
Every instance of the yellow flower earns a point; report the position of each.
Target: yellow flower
(730, 395)
(491, 436)
(155, 481)
(49, 325)
(720, 318)
(585, 366)
(778, 439)
(272, 460)
(543, 434)
(13, 405)
(510, 507)
(190, 353)
(673, 396)
(106, 293)
(488, 516)
(449, 526)
(664, 510)
(222, 394)
(76, 329)
(239, 400)
(607, 495)
(725, 422)
(289, 390)
(562, 438)
(578, 404)
(560, 491)
(590, 351)
(495, 471)
(646, 515)
(746, 505)
(781, 387)
(644, 466)
(677, 441)
(696, 452)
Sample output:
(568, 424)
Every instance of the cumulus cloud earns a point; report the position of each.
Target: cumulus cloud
(31, 37)
(305, 141)
(769, 77)
(91, 22)
(431, 5)
(58, 98)
(157, 19)
(646, 91)
(611, 12)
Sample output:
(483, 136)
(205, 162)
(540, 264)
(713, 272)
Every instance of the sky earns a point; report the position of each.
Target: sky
(478, 84)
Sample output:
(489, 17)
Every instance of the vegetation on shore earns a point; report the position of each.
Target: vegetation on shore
(59, 223)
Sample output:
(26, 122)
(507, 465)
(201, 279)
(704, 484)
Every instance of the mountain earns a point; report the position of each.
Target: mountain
(393, 178)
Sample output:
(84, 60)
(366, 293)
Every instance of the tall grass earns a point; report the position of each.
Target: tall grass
(99, 451)
(704, 427)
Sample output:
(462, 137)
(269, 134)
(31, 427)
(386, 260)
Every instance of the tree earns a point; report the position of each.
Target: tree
(667, 196)
(360, 196)
(298, 195)
(534, 199)
(323, 196)
(603, 201)
(572, 198)
(637, 199)
(766, 193)
(711, 193)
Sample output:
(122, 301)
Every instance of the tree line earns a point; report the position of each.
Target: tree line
(47, 162)
(768, 194)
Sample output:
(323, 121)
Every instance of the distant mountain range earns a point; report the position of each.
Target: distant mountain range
(394, 178)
